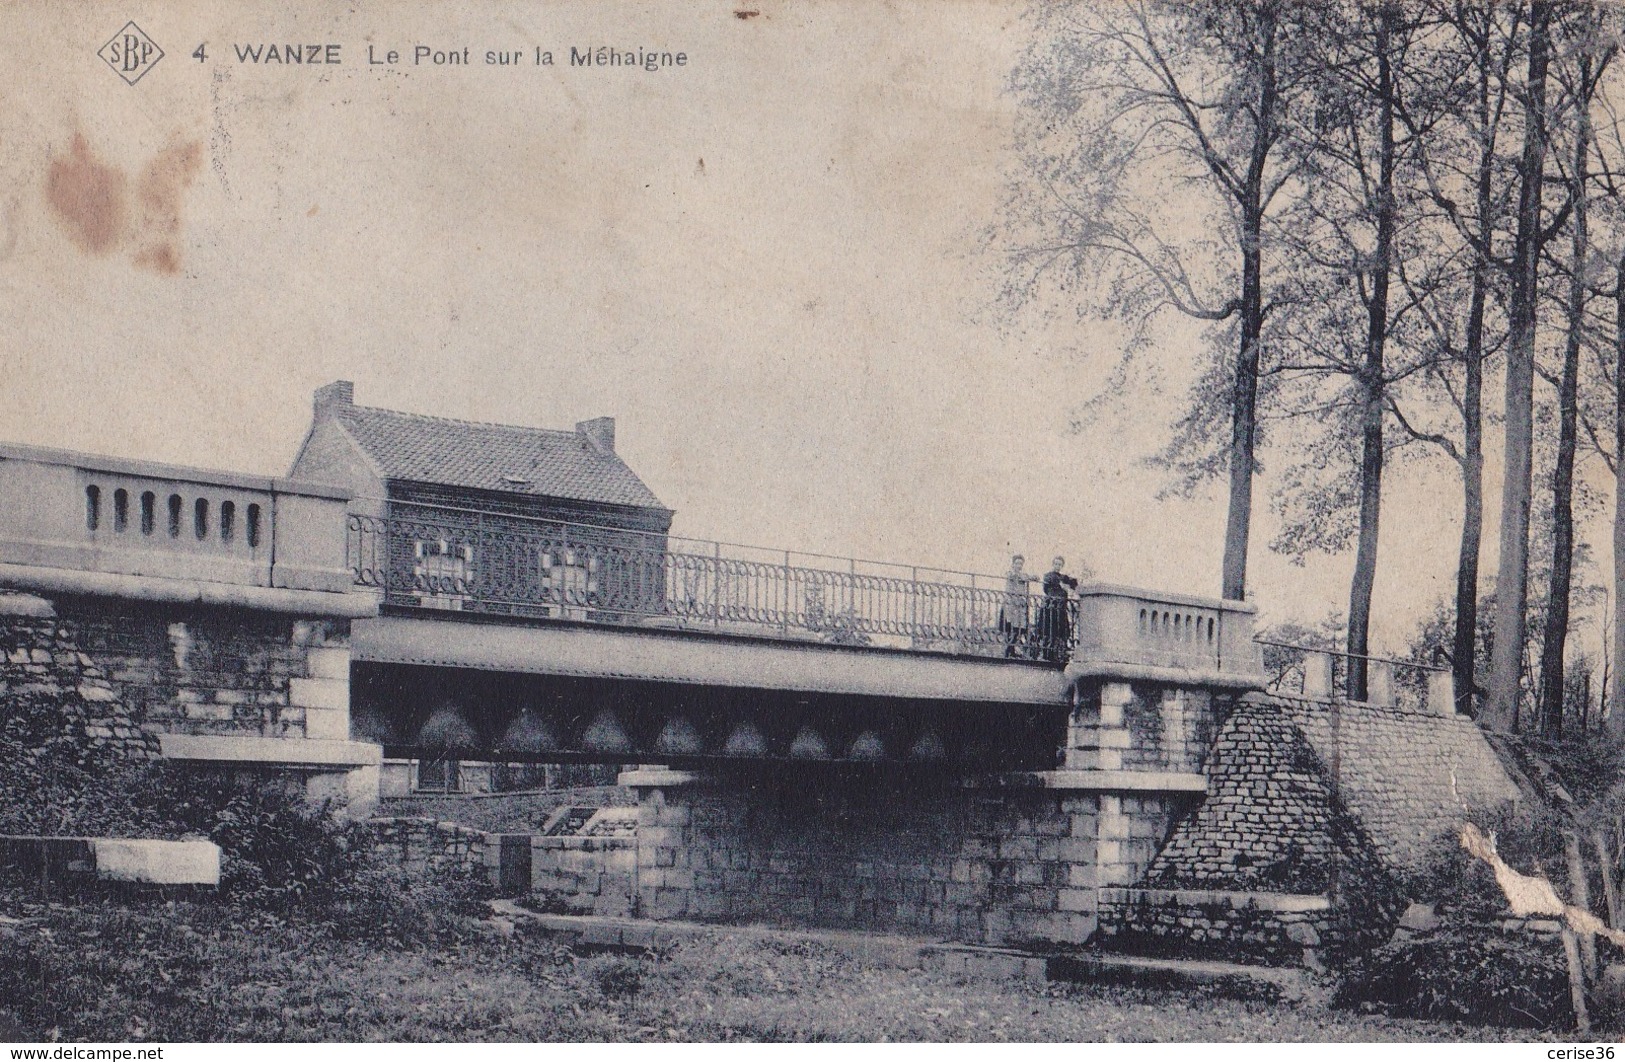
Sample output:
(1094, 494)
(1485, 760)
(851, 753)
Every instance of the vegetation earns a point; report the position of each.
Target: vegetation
(1385, 209)
(200, 971)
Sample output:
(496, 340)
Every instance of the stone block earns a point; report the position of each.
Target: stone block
(157, 862)
(1071, 927)
(1076, 849)
(1102, 738)
(328, 663)
(1024, 848)
(1071, 899)
(1086, 827)
(661, 836)
(324, 725)
(332, 694)
(1115, 874)
(1094, 759)
(673, 815)
(710, 905)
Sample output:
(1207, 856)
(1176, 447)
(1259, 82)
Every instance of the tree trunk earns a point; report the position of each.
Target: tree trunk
(1372, 378)
(1557, 611)
(1464, 663)
(1244, 400)
(1244, 420)
(1616, 708)
(1464, 660)
(1512, 581)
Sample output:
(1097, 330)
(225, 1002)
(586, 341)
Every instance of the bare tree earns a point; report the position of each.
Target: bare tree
(1589, 60)
(1512, 587)
(1122, 103)
(1345, 237)
(1461, 160)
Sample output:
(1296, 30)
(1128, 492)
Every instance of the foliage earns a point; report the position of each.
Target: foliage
(1285, 646)
(1468, 969)
(279, 852)
(1463, 973)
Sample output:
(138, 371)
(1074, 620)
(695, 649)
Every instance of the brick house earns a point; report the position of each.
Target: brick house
(499, 519)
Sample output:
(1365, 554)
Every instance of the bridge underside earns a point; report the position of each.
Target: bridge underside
(432, 712)
(564, 691)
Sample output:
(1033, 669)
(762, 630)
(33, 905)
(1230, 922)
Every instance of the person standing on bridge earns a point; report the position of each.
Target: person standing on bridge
(1013, 616)
(1054, 616)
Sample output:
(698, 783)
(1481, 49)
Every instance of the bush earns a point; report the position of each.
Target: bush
(381, 902)
(278, 852)
(1464, 973)
(1469, 969)
(276, 849)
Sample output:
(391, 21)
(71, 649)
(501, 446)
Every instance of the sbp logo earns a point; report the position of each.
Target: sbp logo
(131, 53)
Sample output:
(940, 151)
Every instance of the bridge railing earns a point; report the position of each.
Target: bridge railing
(67, 512)
(1322, 674)
(438, 557)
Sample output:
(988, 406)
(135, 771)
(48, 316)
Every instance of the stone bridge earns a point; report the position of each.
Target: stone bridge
(821, 742)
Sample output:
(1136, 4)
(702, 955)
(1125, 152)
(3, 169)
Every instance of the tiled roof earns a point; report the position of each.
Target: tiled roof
(499, 457)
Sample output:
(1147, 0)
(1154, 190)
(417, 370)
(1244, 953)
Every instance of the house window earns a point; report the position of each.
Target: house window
(570, 580)
(442, 572)
(440, 776)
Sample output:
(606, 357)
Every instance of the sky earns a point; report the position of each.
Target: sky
(763, 263)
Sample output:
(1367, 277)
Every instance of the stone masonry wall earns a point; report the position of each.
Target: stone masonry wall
(1170, 729)
(1273, 928)
(1270, 821)
(43, 663)
(217, 671)
(992, 867)
(585, 875)
(428, 846)
(1239, 876)
(1274, 823)
(1409, 777)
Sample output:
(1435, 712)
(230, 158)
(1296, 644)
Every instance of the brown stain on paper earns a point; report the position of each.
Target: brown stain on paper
(162, 190)
(89, 200)
(87, 197)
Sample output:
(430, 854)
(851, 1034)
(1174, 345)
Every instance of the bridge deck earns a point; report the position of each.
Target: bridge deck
(703, 658)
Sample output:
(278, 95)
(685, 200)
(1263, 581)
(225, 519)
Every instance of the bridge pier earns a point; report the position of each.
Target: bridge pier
(1014, 858)
(181, 613)
(221, 688)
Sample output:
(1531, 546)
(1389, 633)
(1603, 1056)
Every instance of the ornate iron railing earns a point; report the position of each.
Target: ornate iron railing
(437, 557)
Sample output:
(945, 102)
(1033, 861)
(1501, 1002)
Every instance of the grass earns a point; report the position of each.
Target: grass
(112, 969)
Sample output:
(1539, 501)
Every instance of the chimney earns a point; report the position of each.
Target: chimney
(336, 395)
(600, 431)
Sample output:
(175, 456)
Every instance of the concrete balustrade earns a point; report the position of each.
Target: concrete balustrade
(1129, 633)
(85, 524)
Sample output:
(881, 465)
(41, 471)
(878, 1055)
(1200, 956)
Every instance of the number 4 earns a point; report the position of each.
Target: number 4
(200, 55)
